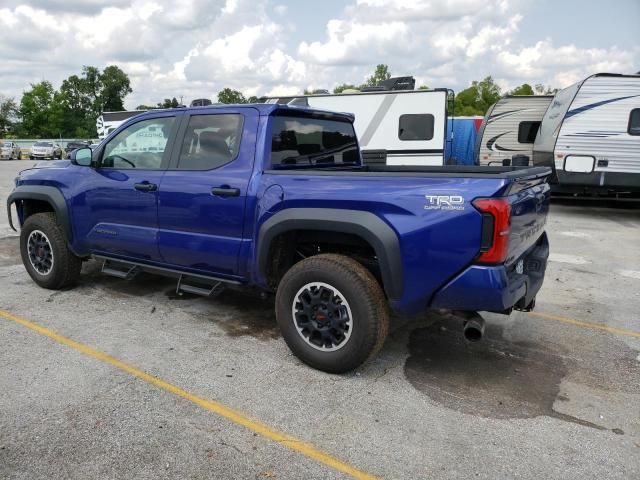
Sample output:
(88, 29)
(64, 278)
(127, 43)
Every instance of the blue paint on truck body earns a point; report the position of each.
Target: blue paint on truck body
(182, 226)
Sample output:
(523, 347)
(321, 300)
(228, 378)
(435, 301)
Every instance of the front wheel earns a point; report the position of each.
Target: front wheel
(45, 253)
(332, 312)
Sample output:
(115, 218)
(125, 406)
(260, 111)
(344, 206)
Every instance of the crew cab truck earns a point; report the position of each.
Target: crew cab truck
(276, 197)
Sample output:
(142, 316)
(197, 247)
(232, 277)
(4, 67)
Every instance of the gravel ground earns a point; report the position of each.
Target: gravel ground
(540, 397)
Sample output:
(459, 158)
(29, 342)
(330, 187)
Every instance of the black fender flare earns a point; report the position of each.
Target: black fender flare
(44, 193)
(366, 225)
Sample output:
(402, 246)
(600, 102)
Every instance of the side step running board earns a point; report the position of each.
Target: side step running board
(126, 271)
(204, 289)
(193, 283)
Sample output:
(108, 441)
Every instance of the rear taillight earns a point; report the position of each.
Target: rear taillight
(496, 223)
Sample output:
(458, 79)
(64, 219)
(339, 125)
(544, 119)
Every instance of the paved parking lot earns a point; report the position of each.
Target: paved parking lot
(124, 379)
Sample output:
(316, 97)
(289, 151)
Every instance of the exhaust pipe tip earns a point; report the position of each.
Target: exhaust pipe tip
(473, 330)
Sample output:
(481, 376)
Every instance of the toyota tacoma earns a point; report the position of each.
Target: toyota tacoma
(277, 198)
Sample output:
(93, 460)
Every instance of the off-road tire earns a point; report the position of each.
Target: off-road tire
(370, 313)
(66, 266)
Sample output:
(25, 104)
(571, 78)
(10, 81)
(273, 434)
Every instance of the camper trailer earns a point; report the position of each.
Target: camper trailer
(509, 128)
(394, 127)
(590, 136)
(109, 121)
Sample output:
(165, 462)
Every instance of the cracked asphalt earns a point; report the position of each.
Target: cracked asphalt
(539, 397)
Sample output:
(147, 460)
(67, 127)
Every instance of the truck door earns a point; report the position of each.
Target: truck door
(202, 195)
(116, 212)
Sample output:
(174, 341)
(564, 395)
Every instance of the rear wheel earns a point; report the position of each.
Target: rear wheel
(45, 254)
(332, 312)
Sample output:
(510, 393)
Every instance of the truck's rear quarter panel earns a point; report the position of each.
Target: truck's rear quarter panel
(438, 238)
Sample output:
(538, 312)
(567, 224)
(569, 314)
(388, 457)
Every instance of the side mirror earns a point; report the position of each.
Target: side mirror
(82, 157)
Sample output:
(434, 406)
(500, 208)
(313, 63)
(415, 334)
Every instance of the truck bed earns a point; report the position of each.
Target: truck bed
(511, 173)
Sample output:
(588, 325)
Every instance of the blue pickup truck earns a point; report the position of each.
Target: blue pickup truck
(277, 197)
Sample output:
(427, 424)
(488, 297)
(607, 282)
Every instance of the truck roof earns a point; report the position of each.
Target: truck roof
(267, 109)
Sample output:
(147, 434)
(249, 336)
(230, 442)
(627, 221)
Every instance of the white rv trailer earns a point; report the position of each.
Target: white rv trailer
(509, 128)
(590, 136)
(397, 127)
(109, 121)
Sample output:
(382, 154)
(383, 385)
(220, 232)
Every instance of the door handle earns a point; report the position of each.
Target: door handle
(146, 187)
(225, 191)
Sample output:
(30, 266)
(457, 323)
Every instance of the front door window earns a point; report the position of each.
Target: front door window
(141, 145)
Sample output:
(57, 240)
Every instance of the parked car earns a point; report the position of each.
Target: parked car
(74, 145)
(276, 197)
(45, 150)
(9, 150)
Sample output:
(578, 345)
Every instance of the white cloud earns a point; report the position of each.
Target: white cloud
(565, 64)
(194, 48)
(355, 43)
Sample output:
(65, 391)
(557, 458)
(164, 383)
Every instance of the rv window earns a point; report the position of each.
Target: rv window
(527, 132)
(210, 141)
(634, 122)
(312, 141)
(416, 127)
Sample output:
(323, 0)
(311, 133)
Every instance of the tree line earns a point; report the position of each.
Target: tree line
(72, 110)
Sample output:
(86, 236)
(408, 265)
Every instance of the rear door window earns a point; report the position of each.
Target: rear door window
(210, 141)
(312, 141)
(634, 122)
(527, 131)
(416, 126)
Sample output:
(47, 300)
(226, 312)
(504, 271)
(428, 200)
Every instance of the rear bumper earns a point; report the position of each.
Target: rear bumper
(496, 288)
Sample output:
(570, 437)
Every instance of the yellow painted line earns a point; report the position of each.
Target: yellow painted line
(234, 416)
(582, 323)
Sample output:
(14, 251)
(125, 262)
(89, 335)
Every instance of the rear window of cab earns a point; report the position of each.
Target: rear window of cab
(297, 141)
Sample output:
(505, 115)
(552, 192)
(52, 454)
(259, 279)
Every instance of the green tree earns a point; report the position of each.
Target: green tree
(524, 89)
(381, 73)
(85, 97)
(78, 107)
(343, 87)
(114, 87)
(8, 113)
(167, 103)
(227, 95)
(477, 99)
(423, 87)
(72, 111)
(253, 99)
(35, 108)
(144, 107)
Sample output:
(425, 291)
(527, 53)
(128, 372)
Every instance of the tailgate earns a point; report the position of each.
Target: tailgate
(529, 198)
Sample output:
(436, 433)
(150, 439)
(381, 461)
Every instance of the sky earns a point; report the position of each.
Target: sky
(193, 48)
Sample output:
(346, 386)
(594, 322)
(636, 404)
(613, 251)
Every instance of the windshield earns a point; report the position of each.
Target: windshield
(43, 144)
(301, 141)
